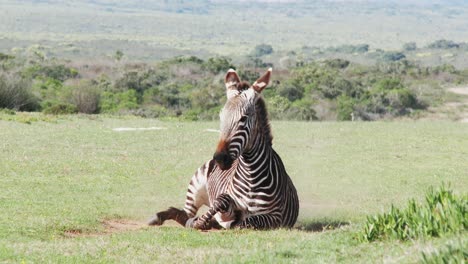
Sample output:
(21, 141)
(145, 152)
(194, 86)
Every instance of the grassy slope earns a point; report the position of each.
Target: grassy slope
(76, 172)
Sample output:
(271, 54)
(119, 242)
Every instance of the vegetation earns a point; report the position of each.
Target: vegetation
(443, 213)
(454, 252)
(192, 88)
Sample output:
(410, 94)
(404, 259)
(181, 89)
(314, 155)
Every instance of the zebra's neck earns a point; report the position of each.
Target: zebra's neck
(255, 162)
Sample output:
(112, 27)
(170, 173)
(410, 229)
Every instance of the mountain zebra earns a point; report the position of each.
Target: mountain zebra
(245, 185)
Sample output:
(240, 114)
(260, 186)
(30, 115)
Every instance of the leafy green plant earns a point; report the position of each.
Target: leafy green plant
(113, 102)
(443, 213)
(345, 107)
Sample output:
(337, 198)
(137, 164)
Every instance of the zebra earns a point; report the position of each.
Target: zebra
(245, 185)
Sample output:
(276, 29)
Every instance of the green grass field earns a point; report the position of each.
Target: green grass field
(65, 179)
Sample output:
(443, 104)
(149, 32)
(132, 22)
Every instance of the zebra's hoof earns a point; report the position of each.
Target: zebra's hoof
(201, 225)
(155, 220)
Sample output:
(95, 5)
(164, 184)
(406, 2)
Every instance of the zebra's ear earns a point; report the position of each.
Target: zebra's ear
(263, 81)
(232, 81)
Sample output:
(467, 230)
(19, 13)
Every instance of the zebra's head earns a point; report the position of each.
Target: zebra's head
(244, 119)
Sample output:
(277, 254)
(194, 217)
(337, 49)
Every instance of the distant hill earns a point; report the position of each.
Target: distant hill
(226, 27)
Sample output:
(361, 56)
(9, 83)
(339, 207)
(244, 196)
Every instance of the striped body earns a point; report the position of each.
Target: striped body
(268, 190)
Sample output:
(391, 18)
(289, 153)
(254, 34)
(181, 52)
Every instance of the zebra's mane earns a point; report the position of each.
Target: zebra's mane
(263, 121)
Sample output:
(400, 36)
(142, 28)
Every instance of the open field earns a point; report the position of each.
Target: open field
(75, 190)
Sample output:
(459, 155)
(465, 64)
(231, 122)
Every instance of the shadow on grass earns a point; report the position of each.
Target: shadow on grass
(320, 225)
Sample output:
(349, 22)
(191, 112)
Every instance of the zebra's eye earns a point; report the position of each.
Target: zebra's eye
(243, 119)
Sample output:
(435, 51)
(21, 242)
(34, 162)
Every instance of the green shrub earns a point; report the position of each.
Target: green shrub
(85, 96)
(60, 109)
(113, 102)
(262, 49)
(7, 111)
(393, 56)
(410, 46)
(301, 110)
(345, 107)
(443, 44)
(337, 63)
(218, 64)
(58, 72)
(360, 48)
(290, 91)
(442, 213)
(16, 93)
(277, 106)
(389, 96)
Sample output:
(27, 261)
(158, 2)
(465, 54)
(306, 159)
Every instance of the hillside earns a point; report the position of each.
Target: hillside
(162, 29)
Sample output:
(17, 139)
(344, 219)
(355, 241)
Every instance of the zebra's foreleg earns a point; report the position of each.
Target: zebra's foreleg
(196, 197)
(260, 222)
(222, 204)
(170, 214)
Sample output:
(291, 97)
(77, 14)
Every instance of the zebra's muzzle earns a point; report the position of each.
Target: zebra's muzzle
(223, 160)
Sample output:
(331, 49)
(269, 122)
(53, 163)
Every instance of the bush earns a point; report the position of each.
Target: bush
(389, 96)
(443, 44)
(345, 108)
(113, 102)
(58, 72)
(442, 213)
(361, 48)
(60, 109)
(393, 56)
(301, 110)
(262, 49)
(337, 63)
(410, 46)
(16, 93)
(218, 64)
(277, 106)
(86, 97)
(290, 91)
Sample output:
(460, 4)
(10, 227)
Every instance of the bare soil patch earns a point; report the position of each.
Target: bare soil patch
(124, 129)
(457, 111)
(459, 90)
(111, 226)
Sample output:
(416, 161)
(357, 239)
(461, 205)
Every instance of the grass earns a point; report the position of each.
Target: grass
(76, 172)
(453, 252)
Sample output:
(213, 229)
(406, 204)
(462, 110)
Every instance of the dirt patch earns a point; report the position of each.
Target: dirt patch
(110, 227)
(456, 110)
(120, 225)
(123, 129)
(459, 90)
